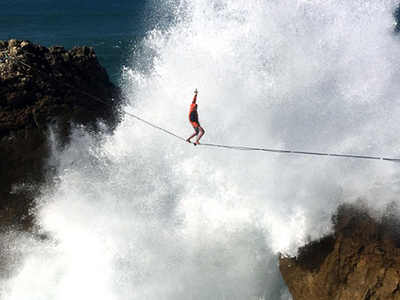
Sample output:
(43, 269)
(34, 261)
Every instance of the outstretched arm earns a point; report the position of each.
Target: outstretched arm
(195, 96)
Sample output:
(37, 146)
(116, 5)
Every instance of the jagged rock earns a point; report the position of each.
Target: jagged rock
(41, 86)
(56, 77)
(360, 261)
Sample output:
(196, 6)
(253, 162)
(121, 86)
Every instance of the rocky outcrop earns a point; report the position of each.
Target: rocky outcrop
(40, 86)
(360, 261)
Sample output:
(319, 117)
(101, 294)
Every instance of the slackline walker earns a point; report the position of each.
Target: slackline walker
(7, 59)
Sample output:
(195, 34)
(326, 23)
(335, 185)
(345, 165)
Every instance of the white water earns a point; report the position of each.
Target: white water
(142, 215)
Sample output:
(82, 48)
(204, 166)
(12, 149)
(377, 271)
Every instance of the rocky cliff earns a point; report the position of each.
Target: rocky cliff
(359, 261)
(40, 87)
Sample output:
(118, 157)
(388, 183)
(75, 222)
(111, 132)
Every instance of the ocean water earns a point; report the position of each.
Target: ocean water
(138, 214)
(113, 28)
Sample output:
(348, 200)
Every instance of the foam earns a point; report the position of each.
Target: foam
(143, 215)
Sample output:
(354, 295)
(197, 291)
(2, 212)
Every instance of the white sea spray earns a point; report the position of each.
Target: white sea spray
(142, 215)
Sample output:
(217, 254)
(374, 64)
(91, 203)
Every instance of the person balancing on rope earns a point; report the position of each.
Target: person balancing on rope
(194, 120)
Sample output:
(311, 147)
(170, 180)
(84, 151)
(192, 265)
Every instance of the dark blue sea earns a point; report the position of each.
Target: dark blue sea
(112, 27)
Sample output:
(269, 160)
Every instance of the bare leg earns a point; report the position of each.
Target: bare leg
(192, 136)
(201, 133)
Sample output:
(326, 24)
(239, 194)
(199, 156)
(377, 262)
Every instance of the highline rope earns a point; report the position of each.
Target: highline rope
(240, 148)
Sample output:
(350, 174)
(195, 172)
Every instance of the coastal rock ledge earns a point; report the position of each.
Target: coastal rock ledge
(42, 87)
(359, 261)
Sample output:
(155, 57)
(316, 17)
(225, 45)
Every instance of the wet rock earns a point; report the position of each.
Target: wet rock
(40, 86)
(359, 261)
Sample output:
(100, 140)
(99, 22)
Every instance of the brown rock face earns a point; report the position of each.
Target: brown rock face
(41, 86)
(360, 261)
